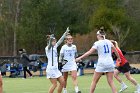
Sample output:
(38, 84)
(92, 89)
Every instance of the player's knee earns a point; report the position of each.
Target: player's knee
(1, 83)
(74, 77)
(128, 77)
(65, 80)
(62, 83)
(110, 81)
(55, 85)
(115, 75)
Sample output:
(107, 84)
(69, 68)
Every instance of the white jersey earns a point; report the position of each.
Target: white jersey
(52, 69)
(49, 56)
(69, 53)
(105, 61)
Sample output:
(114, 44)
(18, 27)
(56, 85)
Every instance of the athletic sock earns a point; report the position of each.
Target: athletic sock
(123, 84)
(138, 87)
(64, 90)
(76, 89)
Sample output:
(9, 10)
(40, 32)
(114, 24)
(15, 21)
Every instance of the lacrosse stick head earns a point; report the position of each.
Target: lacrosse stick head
(52, 28)
(68, 29)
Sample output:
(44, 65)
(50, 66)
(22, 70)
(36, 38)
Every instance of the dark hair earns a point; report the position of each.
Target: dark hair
(102, 32)
(20, 50)
(23, 50)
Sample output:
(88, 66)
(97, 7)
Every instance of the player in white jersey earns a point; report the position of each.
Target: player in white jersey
(52, 70)
(68, 52)
(105, 62)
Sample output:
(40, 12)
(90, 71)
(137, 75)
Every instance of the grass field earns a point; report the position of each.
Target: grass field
(41, 85)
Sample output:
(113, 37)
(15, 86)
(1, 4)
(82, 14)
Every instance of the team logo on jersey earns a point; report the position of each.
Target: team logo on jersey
(73, 47)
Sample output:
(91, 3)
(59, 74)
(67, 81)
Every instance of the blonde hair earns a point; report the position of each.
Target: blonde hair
(68, 35)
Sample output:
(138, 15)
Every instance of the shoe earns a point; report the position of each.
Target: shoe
(30, 76)
(124, 87)
(137, 92)
(138, 89)
(79, 92)
(64, 91)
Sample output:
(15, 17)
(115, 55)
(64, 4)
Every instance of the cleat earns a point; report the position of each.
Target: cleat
(124, 87)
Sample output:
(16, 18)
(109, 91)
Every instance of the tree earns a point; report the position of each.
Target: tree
(25, 23)
(17, 11)
(113, 17)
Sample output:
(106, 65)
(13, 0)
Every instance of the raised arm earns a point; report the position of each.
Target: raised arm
(49, 44)
(114, 46)
(63, 37)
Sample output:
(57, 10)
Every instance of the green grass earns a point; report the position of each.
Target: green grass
(41, 85)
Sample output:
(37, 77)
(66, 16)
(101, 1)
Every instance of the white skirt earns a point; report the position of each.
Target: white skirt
(69, 67)
(105, 68)
(53, 73)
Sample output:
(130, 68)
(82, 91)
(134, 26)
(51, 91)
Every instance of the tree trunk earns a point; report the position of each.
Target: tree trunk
(15, 27)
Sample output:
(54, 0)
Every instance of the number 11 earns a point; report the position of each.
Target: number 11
(106, 48)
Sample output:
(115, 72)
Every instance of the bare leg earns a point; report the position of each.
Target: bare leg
(95, 80)
(111, 82)
(65, 75)
(54, 85)
(130, 78)
(116, 75)
(74, 77)
(61, 81)
(1, 89)
(75, 81)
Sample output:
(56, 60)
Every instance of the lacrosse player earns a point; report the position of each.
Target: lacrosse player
(105, 62)
(124, 67)
(68, 53)
(52, 68)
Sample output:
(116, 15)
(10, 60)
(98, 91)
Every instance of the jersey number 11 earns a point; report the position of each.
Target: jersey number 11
(106, 49)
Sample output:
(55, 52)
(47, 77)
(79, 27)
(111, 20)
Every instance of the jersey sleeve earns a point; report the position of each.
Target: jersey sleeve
(62, 50)
(75, 49)
(95, 45)
(76, 53)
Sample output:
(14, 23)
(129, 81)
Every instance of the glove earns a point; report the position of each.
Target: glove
(64, 62)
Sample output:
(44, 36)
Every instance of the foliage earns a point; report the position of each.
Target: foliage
(82, 16)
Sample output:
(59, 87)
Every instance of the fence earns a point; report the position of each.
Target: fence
(132, 57)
